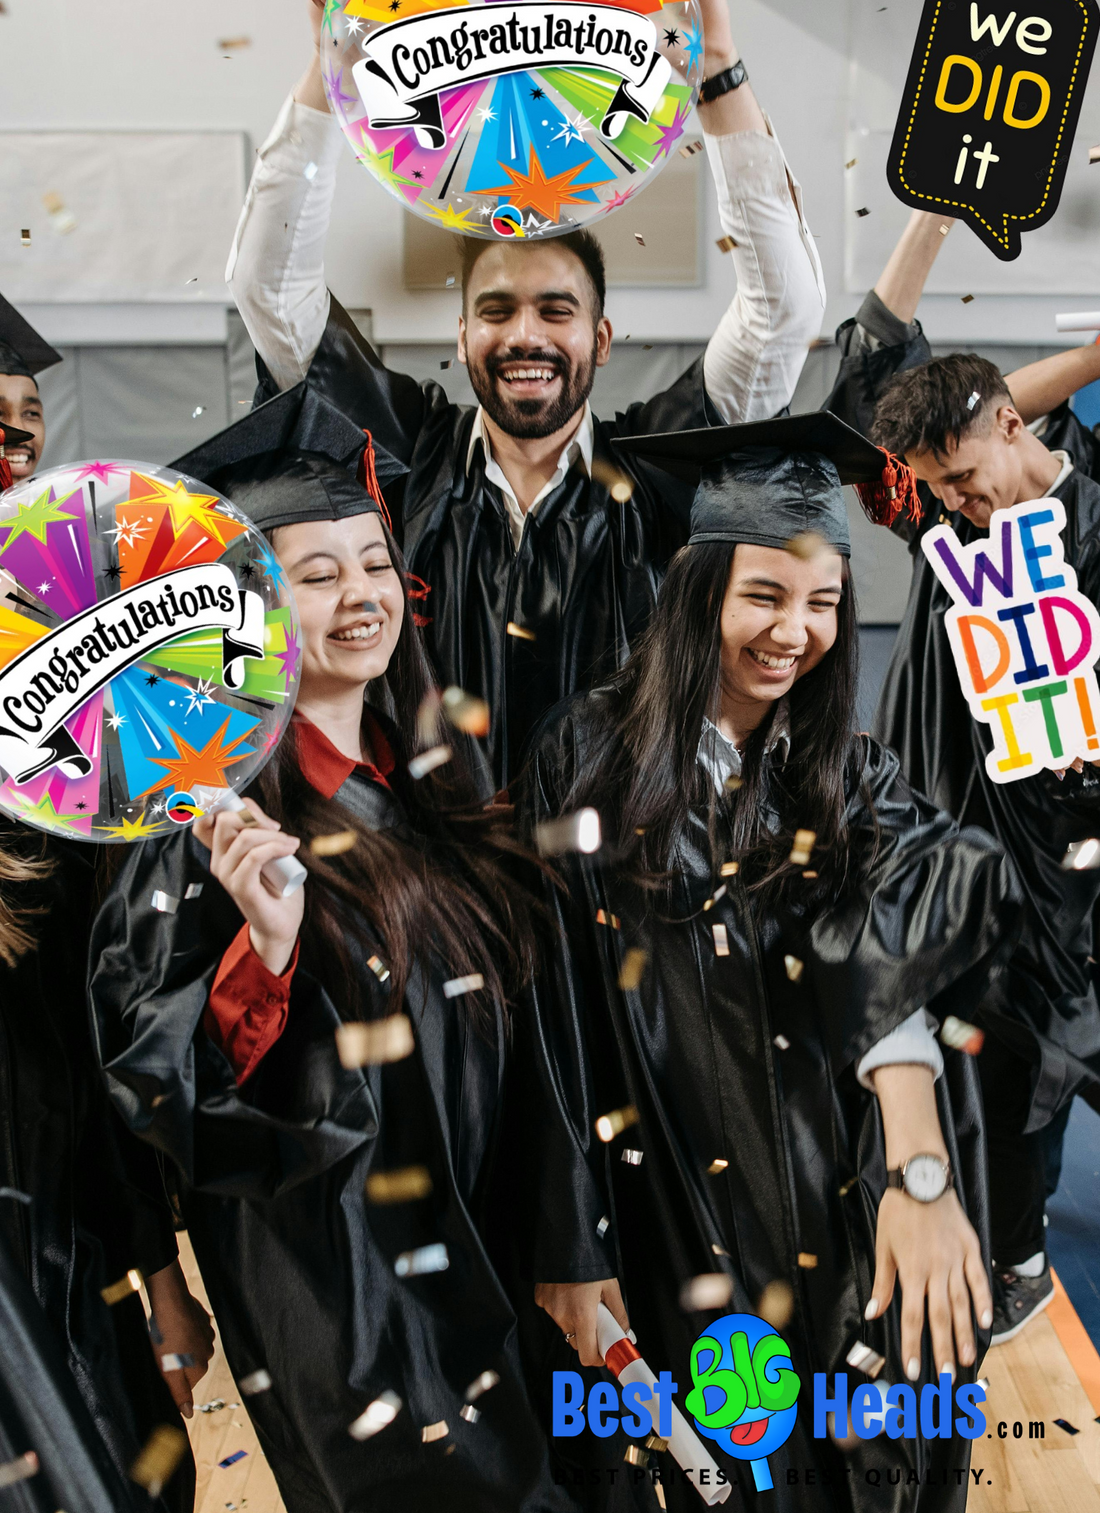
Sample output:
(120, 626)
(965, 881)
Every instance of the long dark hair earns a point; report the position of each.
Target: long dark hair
(446, 890)
(643, 771)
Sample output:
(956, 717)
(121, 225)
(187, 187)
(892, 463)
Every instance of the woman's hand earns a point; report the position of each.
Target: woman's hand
(239, 851)
(185, 1329)
(572, 1306)
(932, 1247)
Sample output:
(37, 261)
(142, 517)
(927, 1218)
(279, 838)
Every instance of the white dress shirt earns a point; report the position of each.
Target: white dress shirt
(276, 269)
(913, 1041)
(577, 452)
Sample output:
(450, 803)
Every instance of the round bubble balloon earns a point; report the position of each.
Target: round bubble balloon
(149, 651)
(512, 120)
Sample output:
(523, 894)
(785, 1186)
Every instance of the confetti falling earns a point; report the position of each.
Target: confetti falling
(729, 869)
(713, 1289)
(633, 1157)
(197, 411)
(655, 1442)
(961, 1036)
(254, 1383)
(851, 163)
(458, 986)
(25, 236)
(846, 1189)
(639, 238)
(470, 1413)
(776, 1304)
(1066, 1425)
(719, 1164)
(1082, 856)
(806, 546)
(572, 832)
(968, 299)
(721, 940)
(603, 918)
(610, 1125)
(375, 1044)
(617, 483)
(793, 967)
(174, 1362)
(158, 1459)
(725, 244)
(482, 1384)
(465, 712)
(689, 149)
(603, 1226)
(781, 1041)
(863, 211)
(428, 761)
(449, 363)
(630, 973)
(115, 1293)
(194, 890)
(164, 903)
(636, 1456)
(61, 219)
(20, 1469)
(379, 968)
(310, 171)
(944, 230)
(732, 783)
(423, 1261)
(716, 897)
(975, 399)
(520, 632)
(862, 1358)
(431, 1432)
(803, 845)
(233, 44)
(450, 281)
(376, 1416)
(335, 844)
(1094, 154)
(806, 1260)
(231, 1460)
(406, 1184)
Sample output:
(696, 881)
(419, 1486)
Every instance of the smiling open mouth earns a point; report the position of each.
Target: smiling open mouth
(534, 373)
(357, 634)
(765, 659)
(748, 1434)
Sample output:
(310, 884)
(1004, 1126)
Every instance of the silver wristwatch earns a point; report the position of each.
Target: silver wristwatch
(923, 1177)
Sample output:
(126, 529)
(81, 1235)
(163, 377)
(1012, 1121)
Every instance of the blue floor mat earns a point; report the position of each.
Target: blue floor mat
(1073, 1235)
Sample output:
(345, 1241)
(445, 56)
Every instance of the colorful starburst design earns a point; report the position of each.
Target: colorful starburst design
(205, 768)
(34, 519)
(534, 190)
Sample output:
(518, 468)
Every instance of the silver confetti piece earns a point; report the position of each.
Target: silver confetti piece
(254, 1382)
(572, 832)
(711, 1290)
(482, 1384)
(461, 985)
(421, 1262)
(376, 1416)
(862, 1358)
(164, 903)
(194, 890)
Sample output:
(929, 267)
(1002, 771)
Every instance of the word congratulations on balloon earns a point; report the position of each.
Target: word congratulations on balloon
(1023, 638)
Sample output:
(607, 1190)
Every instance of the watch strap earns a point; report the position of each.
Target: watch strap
(721, 84)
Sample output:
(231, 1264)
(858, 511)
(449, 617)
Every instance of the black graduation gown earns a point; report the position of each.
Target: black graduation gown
(1045, 1006)
(299, 1267)
(98, 1206)
(586, 575)
(693, 1049)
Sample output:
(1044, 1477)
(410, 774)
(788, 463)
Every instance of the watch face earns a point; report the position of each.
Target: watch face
(925, 1178)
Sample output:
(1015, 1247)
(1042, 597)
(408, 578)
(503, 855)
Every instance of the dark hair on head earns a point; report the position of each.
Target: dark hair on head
(930, 408)
(644, 774)
(439, 891)
(582, 244)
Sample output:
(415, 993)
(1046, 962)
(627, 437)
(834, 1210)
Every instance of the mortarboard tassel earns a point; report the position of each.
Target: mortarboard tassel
(895, 495)
(5, 466)
(369, 479)
(421, 590)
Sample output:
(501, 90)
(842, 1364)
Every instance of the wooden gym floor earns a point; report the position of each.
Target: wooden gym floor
(1051, 1370)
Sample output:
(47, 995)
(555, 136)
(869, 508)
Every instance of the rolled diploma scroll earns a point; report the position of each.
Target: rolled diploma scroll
(685, 1446)
(1083, 320)
(286, 873)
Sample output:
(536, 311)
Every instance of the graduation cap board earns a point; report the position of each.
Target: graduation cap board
(771, 481)
(149, 652)
(22, 351)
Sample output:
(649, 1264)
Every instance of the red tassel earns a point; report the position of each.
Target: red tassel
(5, 466)
(420, 591)
(896, 493)
(369, 479)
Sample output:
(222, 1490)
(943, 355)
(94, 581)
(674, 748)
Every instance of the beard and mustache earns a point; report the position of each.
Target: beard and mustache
(532, 419)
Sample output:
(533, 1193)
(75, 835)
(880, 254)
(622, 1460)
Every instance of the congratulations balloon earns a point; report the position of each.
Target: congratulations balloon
(149, 651)
(512, 120)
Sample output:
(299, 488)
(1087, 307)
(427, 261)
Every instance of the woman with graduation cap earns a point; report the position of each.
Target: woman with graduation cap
(748, 969)
(332, 1179)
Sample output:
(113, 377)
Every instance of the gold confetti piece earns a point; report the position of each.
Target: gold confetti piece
(636, 1456)
(379, 968)
(458, 986)
(689, 149)
(431, 1432)
(335, 844)
(655, 1442)
(520, 632)
(1094, 154)
(20, 1469)
(603, 1226)
(373, 1044)
(572, 832)
(647, 347)
(164, 903)
(630, 973)
(806, 1260)
(715, 897)
(427, 718)
(819, 343)
(1082, 856)
(633, 1157)
(711, 1290)
(617, 483)
(729, 869)
(944, 230)
(376, 1416)
(428, 761)
(449, 363)
(793, 967)
(62, 220)
(807, 545)
(25, 236)
(423, 1261)
(610, 1125)
(131, 1282)
(968, 299)
(161, 1454)
(776, 1304)
(809, 875)
(732, 784)
(961, 1036)
(482, 1384)
(721, 940)
(603, 918)
(803, 845)
(233, 44)
(781, 1040)
(254, 1383)
(470, 1413)
(404, 1185)
(846, 1189)
(466, 713)
(719, 1164)
(862, 1358)
(863, 211)
(725, 244)
(660, 1491)
(851, 163)
(639, 238)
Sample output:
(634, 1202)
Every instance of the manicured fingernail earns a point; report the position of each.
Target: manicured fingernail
(986, 1319)
(966, 1355)
(871, 1310)
(949, 1368)
(912, 1371)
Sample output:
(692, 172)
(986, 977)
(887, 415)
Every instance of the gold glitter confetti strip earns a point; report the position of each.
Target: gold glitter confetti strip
(846, 1189)
(431, 1432)
(630, 973)
(520, 632)
(655, 1442)
(617, 483)
(721, 940)
(803, 845)
(1094, 154)
(374, 1043)
(470, 1413)
(403, 1185)
(610, 1125)
(851, 163)
(794, 967)
(807, 545)
(711, 1290)
(335, 844)
(131, 1282)
(730, 869)
(719, 1164)
(639, 238)
(776, 1304)
(725, 244)
(864, 211)
(968, 299)
(715, 898)
(636, 1456)
(732, 784)
(482, 1384)
(376, 1416)
(806, 1260)
(25, 236)
(158, 1459)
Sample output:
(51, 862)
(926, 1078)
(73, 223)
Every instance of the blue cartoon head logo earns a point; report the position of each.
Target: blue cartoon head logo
(744, 1390)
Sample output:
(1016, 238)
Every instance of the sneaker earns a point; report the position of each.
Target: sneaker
(1017, 1300)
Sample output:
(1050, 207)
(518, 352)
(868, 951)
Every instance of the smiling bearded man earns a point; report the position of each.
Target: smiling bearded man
(23, 355)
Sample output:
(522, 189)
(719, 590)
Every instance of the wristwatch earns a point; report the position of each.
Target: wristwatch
(923, 1177)
(721, 84)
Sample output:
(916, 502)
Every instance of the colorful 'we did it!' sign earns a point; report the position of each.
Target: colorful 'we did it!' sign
(1024, 639)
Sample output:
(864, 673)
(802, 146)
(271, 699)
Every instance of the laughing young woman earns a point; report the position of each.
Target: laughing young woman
(332, 1209)
(798, 1128)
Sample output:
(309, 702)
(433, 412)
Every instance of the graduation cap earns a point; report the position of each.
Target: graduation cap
(773, 480)
(296, 458)
(22, 351)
